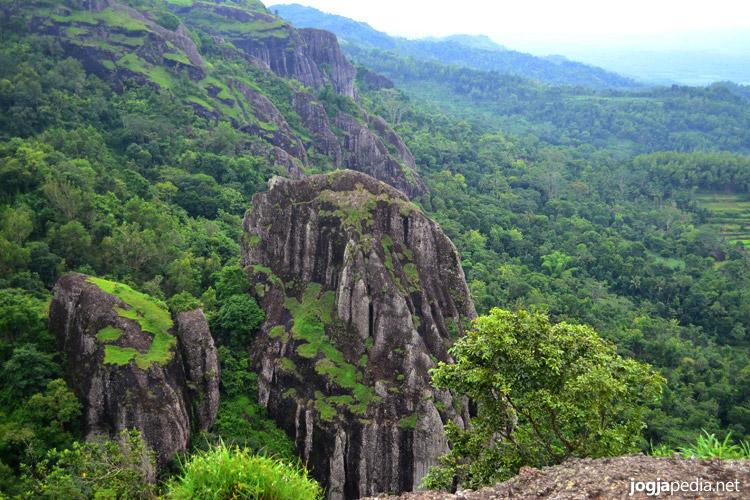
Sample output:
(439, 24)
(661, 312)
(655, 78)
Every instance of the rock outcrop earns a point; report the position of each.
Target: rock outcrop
(363, 294)
(315, 119)
(312, 57)
(132, 365)
(583, 478)
(366, 151)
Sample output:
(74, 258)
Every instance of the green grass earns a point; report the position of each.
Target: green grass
(152, 317)
(707, 446)
(730, 214)
(177, 57)
(310, 317)
(408, 422)
(231, 472)
(108, 334)
(156, 74)
(115, 355)
(270, 276)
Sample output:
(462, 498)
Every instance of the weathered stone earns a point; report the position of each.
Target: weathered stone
(363, 294)
(366, 152)
(280, 135)
(315, 119)
(164, 400)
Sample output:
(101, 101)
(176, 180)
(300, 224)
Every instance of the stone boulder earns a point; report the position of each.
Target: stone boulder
(363, 294)
(132, 365)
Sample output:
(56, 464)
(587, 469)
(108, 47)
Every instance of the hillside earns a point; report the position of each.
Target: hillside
(665, 118)
(461, 50)
(220, 233)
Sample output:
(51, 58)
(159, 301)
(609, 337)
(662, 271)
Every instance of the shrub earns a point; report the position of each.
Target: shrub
(96, 469)
(238, 318)
(227, 472)
(544, 393)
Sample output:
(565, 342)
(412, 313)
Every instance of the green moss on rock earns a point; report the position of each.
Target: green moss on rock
(152, 318)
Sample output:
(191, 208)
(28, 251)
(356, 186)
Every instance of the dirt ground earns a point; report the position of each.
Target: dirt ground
(612, 478)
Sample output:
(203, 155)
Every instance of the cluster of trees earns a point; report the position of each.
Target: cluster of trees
(627, 122)
(135, 186)
(588, 237)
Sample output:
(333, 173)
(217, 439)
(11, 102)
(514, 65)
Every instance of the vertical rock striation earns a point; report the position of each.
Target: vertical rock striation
(363, 294)
(132, 366)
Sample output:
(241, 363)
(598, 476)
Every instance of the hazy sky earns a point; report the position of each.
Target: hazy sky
(544, 24)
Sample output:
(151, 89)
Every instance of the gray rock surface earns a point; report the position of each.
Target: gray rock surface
(165, 401)
(363, 294)
(605, 478)
(366, 151)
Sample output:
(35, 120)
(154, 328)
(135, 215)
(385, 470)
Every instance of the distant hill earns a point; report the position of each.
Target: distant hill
(474, 41)
(475, 52)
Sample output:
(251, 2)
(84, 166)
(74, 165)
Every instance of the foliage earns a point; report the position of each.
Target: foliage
(237, 320)
(706, 447)
(231, 472)
(544, 393)
(152, 317)
(96, 469)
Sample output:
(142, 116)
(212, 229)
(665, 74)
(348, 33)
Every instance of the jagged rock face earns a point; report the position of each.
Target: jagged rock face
(312, 57)
(280, 134)
(124, 376)
(315, 119)
(366, 152)
(363, 294)
(323, 48)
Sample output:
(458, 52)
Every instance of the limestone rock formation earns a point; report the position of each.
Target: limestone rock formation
(312, 57)
(363, 294)
(367, 152)
(132, 366)
(315, 119)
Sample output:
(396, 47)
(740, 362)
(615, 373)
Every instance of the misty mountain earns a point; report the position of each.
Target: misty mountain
(475, 52)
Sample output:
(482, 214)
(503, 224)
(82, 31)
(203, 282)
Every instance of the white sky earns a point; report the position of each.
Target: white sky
(544, 24)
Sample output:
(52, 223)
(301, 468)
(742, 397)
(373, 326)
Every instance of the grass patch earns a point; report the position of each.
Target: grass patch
(408, 422)
(729, 214)
(230, 472)
(115, 355)
(155, 74)
(310, 317)
(706, 447)
(108, 334)
(151, 316)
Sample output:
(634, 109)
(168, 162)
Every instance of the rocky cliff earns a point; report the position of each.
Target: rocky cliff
(132, 365)
(363, 294)
(310, 56)
(289, 123)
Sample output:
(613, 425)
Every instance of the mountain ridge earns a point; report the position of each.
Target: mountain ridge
(470, 51)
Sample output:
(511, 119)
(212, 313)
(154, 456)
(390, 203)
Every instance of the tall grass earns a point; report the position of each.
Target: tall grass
(236, 473)
(707, 446)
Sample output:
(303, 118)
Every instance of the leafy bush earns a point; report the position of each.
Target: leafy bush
(238, 318)
(96, 469)
(544, 393)
(182, 302)
(226, 472)
(708, 446)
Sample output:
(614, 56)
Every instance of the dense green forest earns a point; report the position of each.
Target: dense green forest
(674, 118)
(590, 207)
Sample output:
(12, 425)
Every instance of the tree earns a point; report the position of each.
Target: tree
(543, 393)
(238, 318)
(25, 373)
(97, 469)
